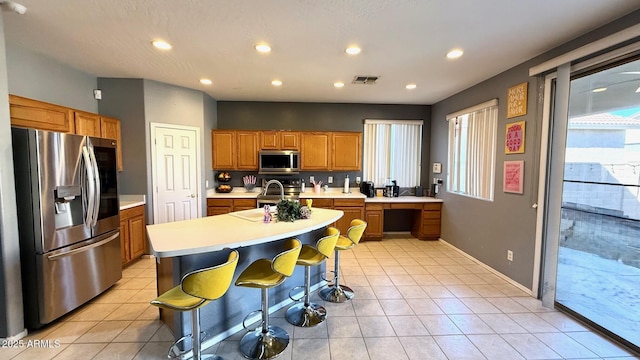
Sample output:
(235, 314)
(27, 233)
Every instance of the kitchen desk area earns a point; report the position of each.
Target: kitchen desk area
(425, 211)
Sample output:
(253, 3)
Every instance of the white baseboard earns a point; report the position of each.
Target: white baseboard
(492, 270)
(15, 337)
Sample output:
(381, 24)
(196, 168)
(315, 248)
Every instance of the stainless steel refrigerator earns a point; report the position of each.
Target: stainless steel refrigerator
(68, 218)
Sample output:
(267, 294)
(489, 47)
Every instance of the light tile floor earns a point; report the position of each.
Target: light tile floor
(414, 300)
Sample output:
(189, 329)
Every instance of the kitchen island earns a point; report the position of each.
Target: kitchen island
(184, 246)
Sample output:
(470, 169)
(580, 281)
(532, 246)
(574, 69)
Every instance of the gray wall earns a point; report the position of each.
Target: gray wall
(38, 77)
(11, 319)
(124, 99)
(138, 103)
(485, 229)
(210, 123)
(170, 104)
(254, 115)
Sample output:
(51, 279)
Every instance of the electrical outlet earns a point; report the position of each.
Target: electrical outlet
(509, 255)
(206, 184)
(311, 179)
(330, 179)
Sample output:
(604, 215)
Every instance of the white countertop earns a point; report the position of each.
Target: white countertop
(236, 193)
(214, 233)
(129, 201)
(332, 193)
(401, 199)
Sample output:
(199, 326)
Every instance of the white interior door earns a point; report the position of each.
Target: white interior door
(176, 170)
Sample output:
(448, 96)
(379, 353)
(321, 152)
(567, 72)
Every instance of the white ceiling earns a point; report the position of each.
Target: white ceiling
(403, 41)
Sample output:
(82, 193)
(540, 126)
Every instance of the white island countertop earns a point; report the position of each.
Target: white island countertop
(233, 230)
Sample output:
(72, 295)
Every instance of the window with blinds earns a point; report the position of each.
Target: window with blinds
(392, 150)
(472, 150)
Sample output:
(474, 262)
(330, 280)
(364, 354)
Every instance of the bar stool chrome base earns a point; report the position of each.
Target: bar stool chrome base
(176, 352)
(306, 316)
(264, 345)
(337, 294)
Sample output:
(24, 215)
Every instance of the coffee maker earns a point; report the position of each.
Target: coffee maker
(367, 188)
(391, 189)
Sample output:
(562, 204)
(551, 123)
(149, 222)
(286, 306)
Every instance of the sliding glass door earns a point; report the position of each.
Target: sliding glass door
(598, 266)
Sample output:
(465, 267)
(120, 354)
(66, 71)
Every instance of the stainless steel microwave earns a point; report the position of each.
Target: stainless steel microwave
(279, 162)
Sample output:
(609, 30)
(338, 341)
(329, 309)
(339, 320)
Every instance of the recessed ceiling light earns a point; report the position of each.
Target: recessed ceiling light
(411, 86)
(599, 90)
(353, 50)
(263, 48)
(161, 44)
(338, 84)
(206, 82)
(454, 54)
(276, 83)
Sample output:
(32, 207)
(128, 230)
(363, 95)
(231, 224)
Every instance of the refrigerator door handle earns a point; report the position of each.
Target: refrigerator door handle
(90, 187)
(96, 176)
(84, 248)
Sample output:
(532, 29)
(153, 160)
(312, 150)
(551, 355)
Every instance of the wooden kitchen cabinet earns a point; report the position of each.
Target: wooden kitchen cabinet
(374, 216)
(44, 116)
(234, 149)
(269, 140)
(279, 140)
(225, 206)
(289, 140)
(426, 222)
(87, 123)
(132, 234)
(346, 151)
(244, 204)
(352, 209)
(36, 114)
(219, 206)
(247, 152)
(223, 146)
(110, 129)
(315, 150)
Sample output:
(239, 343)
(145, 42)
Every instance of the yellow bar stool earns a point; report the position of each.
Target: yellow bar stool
(197, 289)
(308, 314)
(268, 341)
(337, 293)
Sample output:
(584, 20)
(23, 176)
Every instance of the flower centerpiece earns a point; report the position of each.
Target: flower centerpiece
(291, 211)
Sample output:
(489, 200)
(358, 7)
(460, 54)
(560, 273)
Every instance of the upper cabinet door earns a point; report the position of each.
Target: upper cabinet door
(269, 140)
(314, 150)
(346, 151)
(289, 140)
(87, 124)
(110, 129)
(40, 115)
(247, 150)
(223, 149)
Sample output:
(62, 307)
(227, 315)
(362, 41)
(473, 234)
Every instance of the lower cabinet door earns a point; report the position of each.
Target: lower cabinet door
(124, 242)
(137, 236)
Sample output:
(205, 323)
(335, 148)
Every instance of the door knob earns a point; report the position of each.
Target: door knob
(192, 195)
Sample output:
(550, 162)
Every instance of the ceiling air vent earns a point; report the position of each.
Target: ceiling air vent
(364, 79)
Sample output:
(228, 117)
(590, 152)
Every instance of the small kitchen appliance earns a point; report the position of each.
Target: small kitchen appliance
(368, 189)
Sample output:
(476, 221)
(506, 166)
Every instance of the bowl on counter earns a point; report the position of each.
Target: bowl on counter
(223, 177)
(224, 188)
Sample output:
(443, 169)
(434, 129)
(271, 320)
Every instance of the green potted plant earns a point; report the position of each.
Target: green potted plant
(289, 210)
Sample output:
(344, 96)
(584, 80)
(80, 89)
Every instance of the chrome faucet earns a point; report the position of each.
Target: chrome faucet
(266, 186)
